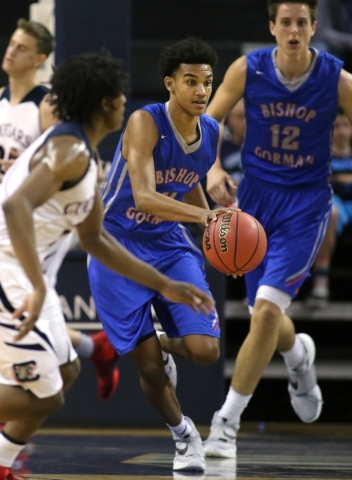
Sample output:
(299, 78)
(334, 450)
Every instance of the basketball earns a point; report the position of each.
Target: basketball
(235, 243)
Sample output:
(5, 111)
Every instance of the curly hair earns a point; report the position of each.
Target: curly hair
(192, 50)
(81, 82)
(45, 41)
(273, 7)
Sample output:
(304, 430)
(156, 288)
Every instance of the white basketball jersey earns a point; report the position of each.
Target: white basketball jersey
(19, 124)
(63, 211)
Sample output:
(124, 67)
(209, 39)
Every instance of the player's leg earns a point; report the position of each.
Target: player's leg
(189, 335)
(320, 290)
(161, 393)
(129, 326)
(279, 278)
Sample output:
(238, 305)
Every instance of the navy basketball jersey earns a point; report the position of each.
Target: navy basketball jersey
(20, 123)
(178, 169)
(289, 125)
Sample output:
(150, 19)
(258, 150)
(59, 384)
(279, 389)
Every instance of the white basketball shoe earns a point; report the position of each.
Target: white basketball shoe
(306, 397)
(221, 441)
(189, 451)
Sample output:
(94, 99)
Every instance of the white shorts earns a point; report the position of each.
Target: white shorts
(33, 362)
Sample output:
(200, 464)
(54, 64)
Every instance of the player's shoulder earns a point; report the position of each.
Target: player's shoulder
(36, 95)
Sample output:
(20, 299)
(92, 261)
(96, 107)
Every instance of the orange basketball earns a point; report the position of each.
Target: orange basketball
(235, 243)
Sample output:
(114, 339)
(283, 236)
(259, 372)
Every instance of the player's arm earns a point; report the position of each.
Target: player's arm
(345, 93)
(139, 142)
(61, 159)
(100, 244)
(220, 185)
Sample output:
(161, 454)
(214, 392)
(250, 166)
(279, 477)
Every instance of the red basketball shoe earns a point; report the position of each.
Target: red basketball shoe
(6, 474)
(104, 358)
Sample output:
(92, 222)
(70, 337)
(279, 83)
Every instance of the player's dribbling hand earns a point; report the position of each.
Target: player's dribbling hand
(182, 292)
(30, 308)
(212, 215)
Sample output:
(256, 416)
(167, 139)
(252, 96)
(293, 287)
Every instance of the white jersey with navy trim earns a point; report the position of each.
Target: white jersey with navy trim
(20, 123)
(60, 213)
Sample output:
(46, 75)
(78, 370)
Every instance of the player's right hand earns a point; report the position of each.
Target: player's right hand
(221, 187)
(182, 292)
(30, 309)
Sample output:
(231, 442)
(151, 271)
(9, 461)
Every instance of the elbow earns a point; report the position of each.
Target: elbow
(8, 207)
(142, 204)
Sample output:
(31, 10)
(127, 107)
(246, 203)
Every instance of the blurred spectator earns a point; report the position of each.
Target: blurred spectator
(334, 29)
(341, 181)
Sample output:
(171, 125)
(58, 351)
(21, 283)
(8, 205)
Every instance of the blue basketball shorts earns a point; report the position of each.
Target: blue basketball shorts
(295, 223)
(124, 306)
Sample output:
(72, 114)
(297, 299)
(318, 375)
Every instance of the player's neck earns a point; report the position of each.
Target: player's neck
(186, 125)
(293, 67)
(20, 86)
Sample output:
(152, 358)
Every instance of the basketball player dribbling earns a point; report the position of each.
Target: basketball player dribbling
(49, 190)
(291, 94)
(153, 185)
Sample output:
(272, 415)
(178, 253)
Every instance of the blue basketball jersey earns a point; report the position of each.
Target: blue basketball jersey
(178, 169)
(289, 126)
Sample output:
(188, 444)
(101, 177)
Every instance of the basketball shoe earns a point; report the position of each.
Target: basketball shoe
(7, 474)
(306, 397)
(189, 451)
(221, 441)
(104, 357)
(170, 365)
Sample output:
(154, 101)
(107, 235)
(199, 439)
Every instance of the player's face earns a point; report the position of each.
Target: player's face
(21, 54)
(342, 133)
(293, 28)
(191, 87)
(116, 114)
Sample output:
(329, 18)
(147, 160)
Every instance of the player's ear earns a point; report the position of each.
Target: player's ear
(40, 59)
(272, 28)
(106, 105)
(169, 83)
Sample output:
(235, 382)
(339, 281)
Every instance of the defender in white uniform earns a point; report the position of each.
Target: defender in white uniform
(51, 189)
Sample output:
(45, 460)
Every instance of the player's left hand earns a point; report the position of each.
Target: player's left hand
(30, 308)
(182, 292)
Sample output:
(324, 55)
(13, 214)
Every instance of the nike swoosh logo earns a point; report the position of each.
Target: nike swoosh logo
(182, 451)
(259, 73)
(294, 385)
(163, 136)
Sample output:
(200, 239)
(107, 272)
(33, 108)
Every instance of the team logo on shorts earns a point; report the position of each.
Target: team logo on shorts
(215, 323)
(25, 372)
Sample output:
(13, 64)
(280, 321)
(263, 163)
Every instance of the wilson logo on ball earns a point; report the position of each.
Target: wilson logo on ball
(224, 230)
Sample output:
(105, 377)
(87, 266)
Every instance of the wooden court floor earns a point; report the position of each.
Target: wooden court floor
(271, 451)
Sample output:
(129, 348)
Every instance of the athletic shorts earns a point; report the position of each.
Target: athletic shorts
(124, 306)
(295, 223)
(33, 362)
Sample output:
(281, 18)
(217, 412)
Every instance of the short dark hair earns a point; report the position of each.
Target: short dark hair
(81, 82)
(192, 50)
(45, 41)
(273, 7)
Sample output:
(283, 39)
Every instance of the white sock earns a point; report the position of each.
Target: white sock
(85, 347)
(293, 357)
(234, 405)
(184, 428)
(8, 450)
